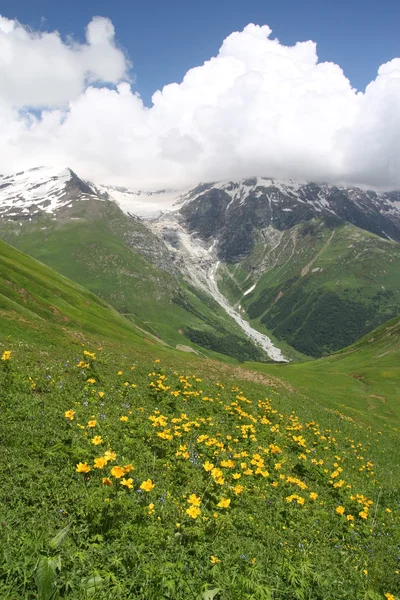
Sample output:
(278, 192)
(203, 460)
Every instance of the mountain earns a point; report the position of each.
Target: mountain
(79, 230)
(317, 266)
(245, 268)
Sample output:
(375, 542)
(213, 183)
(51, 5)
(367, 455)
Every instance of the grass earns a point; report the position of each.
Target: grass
(222, 486)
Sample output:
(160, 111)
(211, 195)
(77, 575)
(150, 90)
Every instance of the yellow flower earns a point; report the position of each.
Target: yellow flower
(389, 596)
(92, 423)
(236, 476)
(224, 503)
(128, 468)
(214, 560)
(194, 500)
(340, 510)
(238, 489)
(99, 463)
(313, 496)
(82, 468)
(109, 455)
(97, 440)
(69, 414)
(157, 361)
(91, 380)
(147, 485)
(117, 472)
(119, 373)
(388, 510)
(123, 419)
(208, 466)
(106, 481)
(128, 483)
(350, 518)
(6, 355)
(363, 514)
(150, 508)
(193, 512)
(101, 394)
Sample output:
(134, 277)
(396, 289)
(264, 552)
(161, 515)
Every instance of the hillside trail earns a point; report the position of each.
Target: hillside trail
(305, 270)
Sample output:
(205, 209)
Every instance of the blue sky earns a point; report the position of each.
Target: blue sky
(165, 39)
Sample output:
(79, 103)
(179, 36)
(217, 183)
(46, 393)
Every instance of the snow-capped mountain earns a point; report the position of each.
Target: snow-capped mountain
(41, 190)
(49, 190)
(228, 213)
(261, 248)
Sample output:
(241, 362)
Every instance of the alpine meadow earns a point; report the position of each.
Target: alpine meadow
(199, 307)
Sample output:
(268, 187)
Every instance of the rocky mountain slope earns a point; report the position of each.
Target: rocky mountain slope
(315, 265)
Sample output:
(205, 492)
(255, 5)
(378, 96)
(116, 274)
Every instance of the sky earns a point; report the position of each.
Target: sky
(116, 94)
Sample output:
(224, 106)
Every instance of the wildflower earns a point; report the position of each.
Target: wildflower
(69, 414)
(91, 380)
(6, 355)
(236, 476)
(313, 496)
(109, 455)
(350, 518)
(119, 373)
(92, 423)
(150, 508)
(117, 472)
(106, 481)
(238, 489)
(194, 500)
(208, 466)
(123, 419)
(224, 503)
(99, 463)
(82, 468)
(147, 485)
(157, 361)
(214, 560)
(97, 440)
(128, 483)
(363, 514)
(340, 510)
(193, 512)
(388, 510)
(389, 596)
(101, 394)
(128, 468)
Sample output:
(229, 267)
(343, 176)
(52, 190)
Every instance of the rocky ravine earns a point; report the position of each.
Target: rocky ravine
(199, 264)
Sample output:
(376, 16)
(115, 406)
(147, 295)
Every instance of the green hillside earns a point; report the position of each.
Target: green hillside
(116, 257)
(132, 470)
(363, 379)
(319, 286)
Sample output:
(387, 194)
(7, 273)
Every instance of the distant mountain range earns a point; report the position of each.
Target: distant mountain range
(246, 268)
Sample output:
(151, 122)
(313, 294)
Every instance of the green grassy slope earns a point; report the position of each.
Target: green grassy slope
(363, 379)
(313, 514)
(39, 304)
(319, 287)
(94, 246)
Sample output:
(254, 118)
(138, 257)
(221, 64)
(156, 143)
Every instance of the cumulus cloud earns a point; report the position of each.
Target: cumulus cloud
(257, 108)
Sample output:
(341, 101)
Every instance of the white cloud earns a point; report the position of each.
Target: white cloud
(257, 108)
